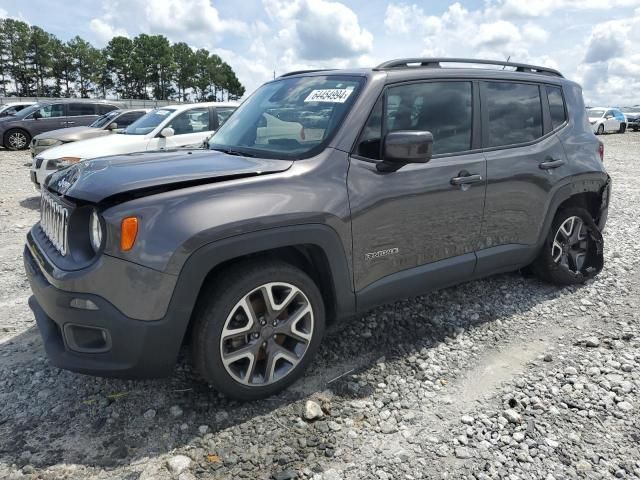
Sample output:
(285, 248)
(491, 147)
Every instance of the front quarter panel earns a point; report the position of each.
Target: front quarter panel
(176, 223)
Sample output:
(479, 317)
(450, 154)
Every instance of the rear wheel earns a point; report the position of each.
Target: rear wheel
(600, 129)
(568, 254)
(257, 328)
(623, 128)
(16, 139)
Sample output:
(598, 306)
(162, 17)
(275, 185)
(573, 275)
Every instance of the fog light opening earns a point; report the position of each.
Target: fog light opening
(83, 304)
(83, 339)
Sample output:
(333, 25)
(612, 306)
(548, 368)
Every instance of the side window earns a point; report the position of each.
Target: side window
(192, 121)
(52, 111)
(103, 108)
(442, 108)
(80, 109)
(556, 106)
(128, 118)
(223, 114)
(515, 113)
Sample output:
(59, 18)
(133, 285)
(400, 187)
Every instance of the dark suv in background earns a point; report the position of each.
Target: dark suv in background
(16, 131)
(325, 194)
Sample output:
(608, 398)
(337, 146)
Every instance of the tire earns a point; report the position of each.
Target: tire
(548, 267)
(16, 139)
(623, 128)
(635, 129)
(600, 129)
(265, 364)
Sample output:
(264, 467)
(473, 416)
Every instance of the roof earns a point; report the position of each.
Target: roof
(186, 106)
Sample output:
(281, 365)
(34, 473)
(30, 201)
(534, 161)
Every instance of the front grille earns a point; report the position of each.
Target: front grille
(39, 161)
(54, 221)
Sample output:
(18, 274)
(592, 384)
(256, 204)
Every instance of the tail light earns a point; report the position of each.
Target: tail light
(601, 152)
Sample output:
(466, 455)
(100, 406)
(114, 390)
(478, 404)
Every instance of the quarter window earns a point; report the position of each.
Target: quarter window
(80, 109)
(442, 108)
(556, 106)
(223, 114)
(515, 113)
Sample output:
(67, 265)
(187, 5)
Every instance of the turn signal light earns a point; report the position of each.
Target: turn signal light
(128, 233)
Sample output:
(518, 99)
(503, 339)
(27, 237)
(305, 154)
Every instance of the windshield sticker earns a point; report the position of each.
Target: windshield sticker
(329, 95)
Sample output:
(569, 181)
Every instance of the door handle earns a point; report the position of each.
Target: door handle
(71, 123)
(551, 163)
(466, 179)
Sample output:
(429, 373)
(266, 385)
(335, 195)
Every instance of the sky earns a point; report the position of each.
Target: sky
(594, 42)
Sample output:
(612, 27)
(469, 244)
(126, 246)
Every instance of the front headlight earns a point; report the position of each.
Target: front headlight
(47, 142)
(95, 231)
(58, 163)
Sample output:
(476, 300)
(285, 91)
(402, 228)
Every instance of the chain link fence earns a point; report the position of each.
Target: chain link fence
(128, 102)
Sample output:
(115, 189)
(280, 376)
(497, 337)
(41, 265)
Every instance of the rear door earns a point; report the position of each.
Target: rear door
(419, 215)
(525, 159)
(81, 114)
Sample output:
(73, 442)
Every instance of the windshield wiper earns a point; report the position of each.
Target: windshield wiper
(229, 151)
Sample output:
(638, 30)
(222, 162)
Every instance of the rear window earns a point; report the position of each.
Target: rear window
(515, 113)
(556, 106)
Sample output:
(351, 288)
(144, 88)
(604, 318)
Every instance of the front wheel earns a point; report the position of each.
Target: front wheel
(257, 329)
(600, 129)
(16, 139)
(572, 251)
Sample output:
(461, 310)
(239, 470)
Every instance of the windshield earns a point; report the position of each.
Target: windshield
(105, 119)
(595, 112)
(291, 118)
(149, 122)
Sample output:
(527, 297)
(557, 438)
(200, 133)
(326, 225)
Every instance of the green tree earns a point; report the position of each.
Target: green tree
(17, 35)
(185, 68)
(40, 57)
(85, 60)
(63, 69)
(119, 60)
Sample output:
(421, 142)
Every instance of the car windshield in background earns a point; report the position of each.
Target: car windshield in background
(149, 122)
(594, 112)
(105, 119)
(291, 118)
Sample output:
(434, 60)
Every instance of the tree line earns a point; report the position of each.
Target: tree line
(36, 63)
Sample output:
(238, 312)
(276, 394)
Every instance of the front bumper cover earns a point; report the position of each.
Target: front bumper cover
(137, 348)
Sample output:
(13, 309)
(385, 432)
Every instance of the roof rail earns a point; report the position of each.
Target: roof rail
(297, 72)
(435, 63)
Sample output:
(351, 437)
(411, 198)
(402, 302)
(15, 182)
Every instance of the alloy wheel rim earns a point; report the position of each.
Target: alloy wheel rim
(17, 140)
(266, 334)
(570, 245)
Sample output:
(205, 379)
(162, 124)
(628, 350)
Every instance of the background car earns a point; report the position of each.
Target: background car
(633, 117)
(161, 129)
(16, 131)
(113, 122)
(8, 109)
(604, 120)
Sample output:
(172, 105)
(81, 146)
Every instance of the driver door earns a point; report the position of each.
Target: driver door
(415, 225)
(611, 123)
(190, 128)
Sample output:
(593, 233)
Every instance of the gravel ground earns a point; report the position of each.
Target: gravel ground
(501, 378)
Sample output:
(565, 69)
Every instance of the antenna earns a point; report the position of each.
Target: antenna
(508, 58)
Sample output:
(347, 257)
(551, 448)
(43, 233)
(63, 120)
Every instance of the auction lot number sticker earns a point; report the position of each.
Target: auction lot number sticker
(329, 95)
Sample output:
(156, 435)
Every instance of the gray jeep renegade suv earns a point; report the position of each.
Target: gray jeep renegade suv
(325, 194)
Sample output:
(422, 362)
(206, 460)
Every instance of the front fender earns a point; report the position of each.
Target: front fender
(201, 262)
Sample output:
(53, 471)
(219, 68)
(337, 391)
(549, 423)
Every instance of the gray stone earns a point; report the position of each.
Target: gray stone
(512, 416)
(178, 464)
(312, 411)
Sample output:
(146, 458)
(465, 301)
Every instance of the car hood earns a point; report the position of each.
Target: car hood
(98, 147)
(72, 133)
(141, 174)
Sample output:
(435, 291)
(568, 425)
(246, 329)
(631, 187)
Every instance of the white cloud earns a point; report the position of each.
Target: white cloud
(606, 42)
(544, 8)
(105, 31)
(318, 29)
(3, 13)
(193, 21)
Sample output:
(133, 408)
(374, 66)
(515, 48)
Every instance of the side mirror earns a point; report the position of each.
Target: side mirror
(167, 132)
(405, 146)
(112, 126)
(37, 115)
(608, 117)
